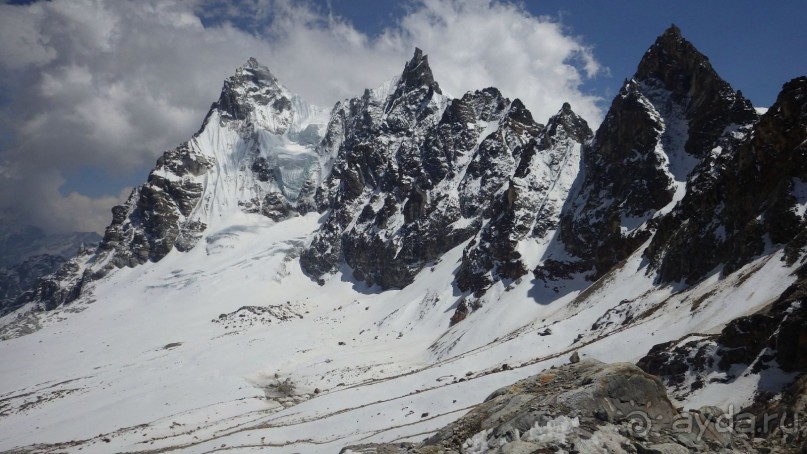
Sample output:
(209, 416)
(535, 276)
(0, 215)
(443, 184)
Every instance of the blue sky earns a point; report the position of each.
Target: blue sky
(93, 91)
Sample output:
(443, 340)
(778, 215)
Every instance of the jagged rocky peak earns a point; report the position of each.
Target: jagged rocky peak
(417, 73)
(416, 179)
(255, 95)
(567, 123)
(709, 103)
(665, 120)
(255, 153)
(417, 97)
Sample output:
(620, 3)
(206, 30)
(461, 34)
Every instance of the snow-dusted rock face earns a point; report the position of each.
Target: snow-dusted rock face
(665, 120)
(769, 346)
(528, 206)
(17, 279)
(27, 254)
(762, 356)
(416, 174)
(255, 152)
(746, 197)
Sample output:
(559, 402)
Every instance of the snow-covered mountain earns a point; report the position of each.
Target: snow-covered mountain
(297, 280)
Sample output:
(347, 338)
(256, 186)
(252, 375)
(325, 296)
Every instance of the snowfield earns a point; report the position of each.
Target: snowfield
(185, 354)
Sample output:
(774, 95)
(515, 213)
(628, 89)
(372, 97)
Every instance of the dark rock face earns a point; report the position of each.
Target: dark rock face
(153, 219)
(27, 254)
(671, 115)
(414, 175)
(748, 191)
(61, 287)
(585, 407)
(709, 103)
(253, 86)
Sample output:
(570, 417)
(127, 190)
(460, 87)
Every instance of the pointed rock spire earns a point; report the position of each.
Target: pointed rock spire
(572, 124)
(251, 63)
(413, 97)
(710, 104)
(675, 61)
(673, 32)
(417, 73)
(253, 71)
(254, 88)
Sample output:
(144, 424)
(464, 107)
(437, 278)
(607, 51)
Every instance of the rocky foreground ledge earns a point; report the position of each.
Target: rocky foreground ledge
(594, 407)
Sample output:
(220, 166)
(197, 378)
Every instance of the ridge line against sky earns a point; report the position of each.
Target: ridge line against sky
(91, 92)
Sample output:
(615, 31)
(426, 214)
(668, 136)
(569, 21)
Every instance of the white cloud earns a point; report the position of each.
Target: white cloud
(112, 84)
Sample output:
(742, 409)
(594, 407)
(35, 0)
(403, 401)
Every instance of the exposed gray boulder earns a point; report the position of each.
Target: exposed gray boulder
(585, 407)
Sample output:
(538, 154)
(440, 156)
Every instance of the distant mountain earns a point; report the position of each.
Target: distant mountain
(27, 255)
(20, 243)
(301, 280)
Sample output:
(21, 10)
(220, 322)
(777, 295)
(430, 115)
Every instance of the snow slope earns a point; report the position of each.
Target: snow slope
(159, 357)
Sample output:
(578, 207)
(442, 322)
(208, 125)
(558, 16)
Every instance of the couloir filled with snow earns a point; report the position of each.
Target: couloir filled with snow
(188, 352)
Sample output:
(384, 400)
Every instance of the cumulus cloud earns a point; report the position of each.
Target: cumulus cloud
(110, 85)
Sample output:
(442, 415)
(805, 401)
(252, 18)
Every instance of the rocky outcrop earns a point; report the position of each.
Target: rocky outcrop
(769, 346)
(157, 215)
(61, 287)
(780, 421)
(667, 118)
(27, 254)
(772, 341)
(584, 407)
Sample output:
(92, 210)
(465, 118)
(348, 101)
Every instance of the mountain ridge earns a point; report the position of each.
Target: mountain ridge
(316, 283)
